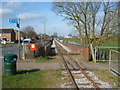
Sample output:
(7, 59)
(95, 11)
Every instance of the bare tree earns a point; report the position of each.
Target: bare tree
(89, 18)
(29, 32)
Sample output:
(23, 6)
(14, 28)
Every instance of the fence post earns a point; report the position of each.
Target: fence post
(23, 51)
(110, 52)
(93, 55)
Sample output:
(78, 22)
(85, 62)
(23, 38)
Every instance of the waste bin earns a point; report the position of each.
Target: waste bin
(10, 64)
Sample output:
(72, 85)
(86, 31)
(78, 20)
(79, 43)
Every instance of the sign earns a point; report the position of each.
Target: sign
(13, 20)
(33, 46)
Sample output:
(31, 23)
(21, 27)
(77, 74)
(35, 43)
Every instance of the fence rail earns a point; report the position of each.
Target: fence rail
(113, 63)
(109, 54)
(102, 53)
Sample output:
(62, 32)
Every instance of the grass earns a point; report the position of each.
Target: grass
(59, 74)
(113, 42)
(47, 59)
(9, 44)
(107, 76)
(72, 39)
(35, 79)
(42, 59)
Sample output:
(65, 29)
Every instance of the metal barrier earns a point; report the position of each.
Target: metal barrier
(102, 52)
(41, 50)
(114, 61)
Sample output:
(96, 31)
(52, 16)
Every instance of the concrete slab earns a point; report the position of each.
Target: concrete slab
(66, 48)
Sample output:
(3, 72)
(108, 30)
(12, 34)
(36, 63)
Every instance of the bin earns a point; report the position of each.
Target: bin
(10, 64)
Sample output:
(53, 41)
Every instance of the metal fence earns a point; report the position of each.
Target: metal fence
(102, 52)
(42, 50)
(109, 54)
(114, 61)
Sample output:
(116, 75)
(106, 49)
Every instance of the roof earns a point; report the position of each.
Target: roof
(6, 30)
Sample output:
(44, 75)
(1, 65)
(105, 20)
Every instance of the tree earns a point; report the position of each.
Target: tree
(89, 18)
(69, 34)
(29, 32)
(55, 34)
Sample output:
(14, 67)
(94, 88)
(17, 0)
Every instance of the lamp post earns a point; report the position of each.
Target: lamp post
(44, 36)
(44, 29)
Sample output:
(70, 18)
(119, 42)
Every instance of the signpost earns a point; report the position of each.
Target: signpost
(17, 21)
(13, 20)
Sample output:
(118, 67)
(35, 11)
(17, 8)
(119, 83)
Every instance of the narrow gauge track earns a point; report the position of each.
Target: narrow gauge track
(79, 68)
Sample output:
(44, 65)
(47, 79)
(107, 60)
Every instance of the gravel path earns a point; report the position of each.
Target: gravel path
(40, 66)
(94, 66)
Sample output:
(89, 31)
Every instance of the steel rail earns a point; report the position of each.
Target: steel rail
(80, 68)
(71, 65)
(68, 70)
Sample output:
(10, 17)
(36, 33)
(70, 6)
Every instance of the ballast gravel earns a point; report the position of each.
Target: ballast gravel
(80, 81)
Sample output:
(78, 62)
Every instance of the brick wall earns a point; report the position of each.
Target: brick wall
(79, 49)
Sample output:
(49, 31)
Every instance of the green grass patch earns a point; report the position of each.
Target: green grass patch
(24, 80)
(107, 76)
(111, 42)
(46, 59)
(59, 74)
(43, 59)
(9, 44)
(32, 79)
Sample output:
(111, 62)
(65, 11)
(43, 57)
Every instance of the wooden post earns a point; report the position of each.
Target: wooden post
(34, 54)
(93, 55)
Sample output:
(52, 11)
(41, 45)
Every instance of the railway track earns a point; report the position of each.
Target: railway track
(74, 69)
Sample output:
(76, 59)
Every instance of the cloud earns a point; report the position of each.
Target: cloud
(13, 5)
(6, 11)
(26, 16)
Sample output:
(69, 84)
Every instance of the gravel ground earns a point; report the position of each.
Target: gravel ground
(94, 66)
(40, 66)
(80, 80)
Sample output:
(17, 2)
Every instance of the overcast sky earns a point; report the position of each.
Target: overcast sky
(33, 14)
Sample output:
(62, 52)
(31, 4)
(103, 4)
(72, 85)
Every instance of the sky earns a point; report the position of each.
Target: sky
(34, 14)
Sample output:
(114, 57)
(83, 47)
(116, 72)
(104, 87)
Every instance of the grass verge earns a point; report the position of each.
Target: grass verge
(47, 59)
(107, 76)
(112, 42)
(42, 59)
(8, 45)
(35, 79)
